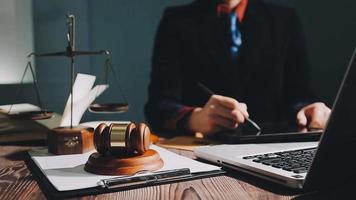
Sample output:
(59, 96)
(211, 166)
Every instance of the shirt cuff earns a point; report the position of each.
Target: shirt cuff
(179, 121)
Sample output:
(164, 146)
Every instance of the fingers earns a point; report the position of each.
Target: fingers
(218, 113)
(301, 118)
(314, 116)
(302, 129)
(202, 121)
(224, 123)
(242, 107)
(230, 106)
(224, 101)
(316, 119)
(319, 115)
(236, 116)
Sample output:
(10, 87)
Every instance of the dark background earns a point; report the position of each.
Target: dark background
(127, 28)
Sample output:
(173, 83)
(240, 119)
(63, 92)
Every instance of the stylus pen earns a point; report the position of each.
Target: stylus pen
(151, 178)
(210, 92)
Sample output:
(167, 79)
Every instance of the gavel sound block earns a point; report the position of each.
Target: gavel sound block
(70, 140)
(122, 149)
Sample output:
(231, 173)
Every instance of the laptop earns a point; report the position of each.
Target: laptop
(303, 165)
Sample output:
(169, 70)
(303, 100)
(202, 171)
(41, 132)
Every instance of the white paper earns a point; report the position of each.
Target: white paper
(84, 95)
(8, 125)
(21, 107)
(66, 172)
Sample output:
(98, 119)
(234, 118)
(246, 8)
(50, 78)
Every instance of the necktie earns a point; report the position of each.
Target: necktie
(235, 35)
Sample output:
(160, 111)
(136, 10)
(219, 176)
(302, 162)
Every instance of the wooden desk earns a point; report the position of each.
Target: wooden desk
(17, 182)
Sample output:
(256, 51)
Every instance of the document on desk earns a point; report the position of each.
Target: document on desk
(14, 130)
(66, 172)
(16, 108)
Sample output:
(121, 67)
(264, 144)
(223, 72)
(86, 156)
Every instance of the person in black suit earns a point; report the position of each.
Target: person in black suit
(260, 70)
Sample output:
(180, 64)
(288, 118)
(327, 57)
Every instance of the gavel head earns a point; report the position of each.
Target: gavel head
(122, 138)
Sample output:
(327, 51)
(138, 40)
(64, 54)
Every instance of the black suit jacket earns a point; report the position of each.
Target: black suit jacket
(192, 45)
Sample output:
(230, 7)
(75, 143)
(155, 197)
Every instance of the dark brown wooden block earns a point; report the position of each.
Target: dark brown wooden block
(66, 140)
(123, 163)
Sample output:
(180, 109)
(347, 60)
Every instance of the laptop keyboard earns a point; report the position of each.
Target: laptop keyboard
(297, 161)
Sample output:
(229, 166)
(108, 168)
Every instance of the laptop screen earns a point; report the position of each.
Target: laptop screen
(334, 159)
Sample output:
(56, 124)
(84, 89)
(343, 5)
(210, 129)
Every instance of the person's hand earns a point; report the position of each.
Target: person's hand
(218, 113)
(313, 116)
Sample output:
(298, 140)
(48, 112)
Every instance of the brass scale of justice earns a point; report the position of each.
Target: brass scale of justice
(121, 162)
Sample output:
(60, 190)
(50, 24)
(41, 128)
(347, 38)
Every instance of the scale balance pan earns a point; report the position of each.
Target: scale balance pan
(109, 108)
(32, 115)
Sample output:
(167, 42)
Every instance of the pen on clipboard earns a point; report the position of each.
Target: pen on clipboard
(155, 177)
(210, 92)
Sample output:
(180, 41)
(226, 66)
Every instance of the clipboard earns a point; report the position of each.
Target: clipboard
(52, 193)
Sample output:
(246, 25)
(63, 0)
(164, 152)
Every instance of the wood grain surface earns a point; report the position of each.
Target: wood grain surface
(17, 182)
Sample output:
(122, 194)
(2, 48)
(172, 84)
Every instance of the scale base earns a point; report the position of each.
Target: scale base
(124, 164)
(70, 140)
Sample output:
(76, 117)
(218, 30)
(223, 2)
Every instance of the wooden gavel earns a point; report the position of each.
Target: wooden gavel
(122, 138)
(122, 149)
